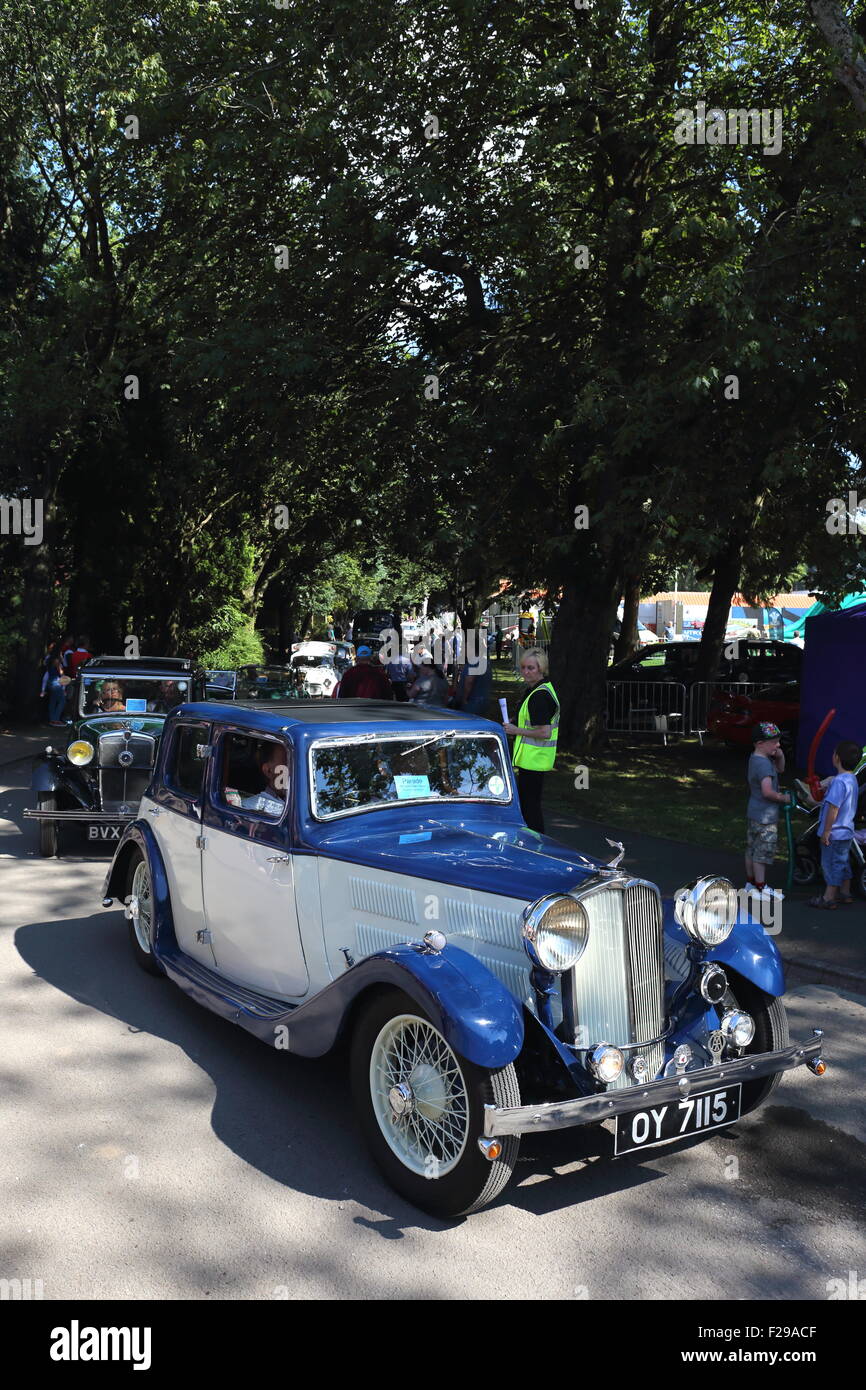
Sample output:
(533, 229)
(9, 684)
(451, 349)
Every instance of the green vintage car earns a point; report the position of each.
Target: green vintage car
(115, 714)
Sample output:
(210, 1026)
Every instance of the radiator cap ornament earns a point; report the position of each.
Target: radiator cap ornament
(618, 858)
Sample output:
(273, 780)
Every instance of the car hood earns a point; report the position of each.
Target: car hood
(503, 859)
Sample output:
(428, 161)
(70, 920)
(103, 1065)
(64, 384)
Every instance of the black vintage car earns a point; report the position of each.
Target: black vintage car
(117, 709)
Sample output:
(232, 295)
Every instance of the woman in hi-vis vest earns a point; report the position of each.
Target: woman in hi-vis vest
(534, 734)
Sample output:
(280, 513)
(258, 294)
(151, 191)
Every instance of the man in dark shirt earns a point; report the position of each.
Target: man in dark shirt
(366, 680)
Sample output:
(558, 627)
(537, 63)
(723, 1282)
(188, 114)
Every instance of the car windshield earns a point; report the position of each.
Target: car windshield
(305, 660)
(349, 775)
(131, 694)
(267, 683)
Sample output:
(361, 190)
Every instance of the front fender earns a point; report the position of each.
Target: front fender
(477, 1015)
(44, 776)
(748, 950)
(754, 955)
(50, 776)
(139, 835)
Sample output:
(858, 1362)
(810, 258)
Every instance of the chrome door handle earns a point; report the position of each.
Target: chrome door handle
(153, 810)
(279, 859)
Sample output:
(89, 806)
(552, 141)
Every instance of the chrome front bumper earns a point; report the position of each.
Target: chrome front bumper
(107, 817)
(589, 1110)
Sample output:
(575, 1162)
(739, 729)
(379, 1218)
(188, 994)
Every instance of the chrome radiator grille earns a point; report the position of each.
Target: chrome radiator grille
(643, 916)
(140, 746)
(125, 762)
(618, 983)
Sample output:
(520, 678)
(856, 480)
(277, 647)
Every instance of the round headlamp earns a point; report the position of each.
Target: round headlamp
(707, 909)
(605, 1062)
(738, 1027)
(80, 753)
(555, 932)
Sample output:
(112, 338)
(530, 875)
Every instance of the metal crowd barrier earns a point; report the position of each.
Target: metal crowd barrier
(646, 707)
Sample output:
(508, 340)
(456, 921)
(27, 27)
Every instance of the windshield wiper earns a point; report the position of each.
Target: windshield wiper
(437, 738)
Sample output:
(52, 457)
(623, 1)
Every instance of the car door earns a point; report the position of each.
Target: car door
(247, 866)
(175, 815)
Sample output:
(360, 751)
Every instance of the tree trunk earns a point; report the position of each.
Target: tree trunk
(581, 645)
(726, 581)
(37, 604)
(628, 641)
(845, 44)
(284, 620)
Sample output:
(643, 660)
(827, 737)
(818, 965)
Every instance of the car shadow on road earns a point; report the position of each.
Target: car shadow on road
(288, 1117)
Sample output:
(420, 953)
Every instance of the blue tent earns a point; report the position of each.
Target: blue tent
(833, 677)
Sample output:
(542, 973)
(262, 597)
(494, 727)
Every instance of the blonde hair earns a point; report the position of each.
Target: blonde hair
(540, 657)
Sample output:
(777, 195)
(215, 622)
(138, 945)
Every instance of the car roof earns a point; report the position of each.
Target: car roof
(140, 665)
(328, 716)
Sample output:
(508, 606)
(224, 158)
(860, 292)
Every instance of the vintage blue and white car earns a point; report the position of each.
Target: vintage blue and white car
(360, 870)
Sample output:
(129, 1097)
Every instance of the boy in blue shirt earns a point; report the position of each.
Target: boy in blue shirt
(836, 827)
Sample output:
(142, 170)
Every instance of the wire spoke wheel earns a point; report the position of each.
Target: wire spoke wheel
(141, 906)
(419, 1095)
(421, 1109)
(140, 911)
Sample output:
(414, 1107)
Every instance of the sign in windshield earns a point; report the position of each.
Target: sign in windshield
(348, 776)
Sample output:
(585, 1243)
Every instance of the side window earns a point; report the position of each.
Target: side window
(655, 658)
(187, 759)
(254, 775)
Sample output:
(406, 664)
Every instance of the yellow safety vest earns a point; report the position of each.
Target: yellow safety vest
(538, 757)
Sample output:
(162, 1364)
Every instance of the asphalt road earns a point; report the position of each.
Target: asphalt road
(151, 1150)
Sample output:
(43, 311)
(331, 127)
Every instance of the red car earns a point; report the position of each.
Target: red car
(732, 717)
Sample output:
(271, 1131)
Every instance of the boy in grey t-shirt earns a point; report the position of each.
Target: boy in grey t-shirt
(762, 812)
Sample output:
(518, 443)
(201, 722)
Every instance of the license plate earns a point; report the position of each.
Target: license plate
(104, 832)
(677, 1119)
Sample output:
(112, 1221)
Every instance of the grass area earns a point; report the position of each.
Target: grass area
(682, 791)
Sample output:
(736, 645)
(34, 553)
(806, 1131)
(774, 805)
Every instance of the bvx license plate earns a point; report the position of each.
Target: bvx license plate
(104, 832)
(677, 1119)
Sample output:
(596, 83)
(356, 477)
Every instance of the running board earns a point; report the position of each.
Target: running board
(207, 987)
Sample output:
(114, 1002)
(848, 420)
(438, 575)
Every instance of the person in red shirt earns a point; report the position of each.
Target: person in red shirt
(76, 658)
(366, 680)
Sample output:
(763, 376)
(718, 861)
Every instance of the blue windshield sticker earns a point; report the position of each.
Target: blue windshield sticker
(136, 707)
(422, 835)
(411, 784)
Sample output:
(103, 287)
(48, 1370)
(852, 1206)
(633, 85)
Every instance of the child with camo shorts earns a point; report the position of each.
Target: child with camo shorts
(762, 812)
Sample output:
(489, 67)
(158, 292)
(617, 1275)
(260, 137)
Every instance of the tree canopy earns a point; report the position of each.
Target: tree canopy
(425, 277)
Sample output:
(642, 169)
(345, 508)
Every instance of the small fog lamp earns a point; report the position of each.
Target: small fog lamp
(80, 753)
(605, 1062)
(738, 1027)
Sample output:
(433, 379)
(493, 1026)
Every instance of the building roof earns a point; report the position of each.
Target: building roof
(700, 599)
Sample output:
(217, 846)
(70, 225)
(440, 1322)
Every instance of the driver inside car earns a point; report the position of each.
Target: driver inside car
(111, 699)
(272, 799)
